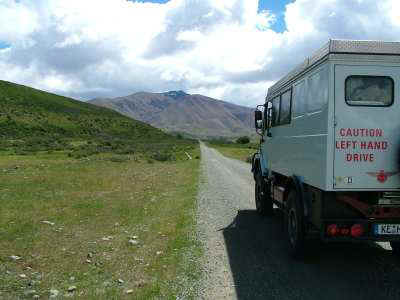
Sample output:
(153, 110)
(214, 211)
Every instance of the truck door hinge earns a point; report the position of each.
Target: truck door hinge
(334, 121)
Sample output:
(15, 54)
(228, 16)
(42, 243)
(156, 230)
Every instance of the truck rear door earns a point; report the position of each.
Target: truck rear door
(367, 127)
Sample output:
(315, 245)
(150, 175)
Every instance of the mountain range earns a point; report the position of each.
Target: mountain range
(178, 112)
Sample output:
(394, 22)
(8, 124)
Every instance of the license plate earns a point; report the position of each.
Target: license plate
(386, 229)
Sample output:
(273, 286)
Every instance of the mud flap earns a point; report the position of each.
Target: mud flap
(304, 198)
(255, 164)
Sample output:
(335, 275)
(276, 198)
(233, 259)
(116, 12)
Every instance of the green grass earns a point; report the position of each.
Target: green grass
(233, 150)
(94, 173)
(87, 200)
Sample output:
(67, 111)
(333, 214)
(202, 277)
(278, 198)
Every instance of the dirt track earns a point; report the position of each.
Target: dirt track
(246, 256)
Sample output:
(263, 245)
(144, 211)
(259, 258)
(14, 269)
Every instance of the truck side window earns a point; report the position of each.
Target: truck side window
(299, 102)
(276, 103)
(318, 90)
(285, 112)
(369, 90)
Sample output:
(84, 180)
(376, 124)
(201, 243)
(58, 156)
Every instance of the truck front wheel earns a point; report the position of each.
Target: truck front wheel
(264, 204)
(294, 225)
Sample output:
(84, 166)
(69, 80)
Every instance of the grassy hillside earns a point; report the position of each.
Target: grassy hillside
(33, 121)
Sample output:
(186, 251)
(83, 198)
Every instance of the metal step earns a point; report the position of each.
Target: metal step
(390, 198)
(391, 195)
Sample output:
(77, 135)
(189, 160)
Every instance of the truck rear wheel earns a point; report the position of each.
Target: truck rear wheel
(263, 199)
(395, 247)
(294, 225)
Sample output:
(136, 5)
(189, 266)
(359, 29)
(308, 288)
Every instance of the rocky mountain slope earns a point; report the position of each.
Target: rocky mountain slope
(176, 111)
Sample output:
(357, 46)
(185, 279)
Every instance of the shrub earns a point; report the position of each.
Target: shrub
(162, 156)
(21, 152)
(243, 140)
(119, 159)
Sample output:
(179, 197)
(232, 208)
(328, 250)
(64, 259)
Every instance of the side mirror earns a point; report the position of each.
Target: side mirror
(258, 119)
(269, 115)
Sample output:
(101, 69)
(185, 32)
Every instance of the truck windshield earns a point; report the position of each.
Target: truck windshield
(369, 90)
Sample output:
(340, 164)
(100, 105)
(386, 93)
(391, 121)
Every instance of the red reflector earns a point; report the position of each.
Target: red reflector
(357, 230)
(344, 231)
(332, 230)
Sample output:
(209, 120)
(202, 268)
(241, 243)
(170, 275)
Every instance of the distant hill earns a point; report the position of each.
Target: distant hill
(176, 111)
(34, 120)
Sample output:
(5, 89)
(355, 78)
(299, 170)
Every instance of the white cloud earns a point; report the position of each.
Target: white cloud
(17, 21)
(223, 49)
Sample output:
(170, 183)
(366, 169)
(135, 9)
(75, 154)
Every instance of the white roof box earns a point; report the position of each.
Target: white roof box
(363, 47)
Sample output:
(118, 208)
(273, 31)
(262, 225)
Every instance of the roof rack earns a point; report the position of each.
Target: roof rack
(339, 46)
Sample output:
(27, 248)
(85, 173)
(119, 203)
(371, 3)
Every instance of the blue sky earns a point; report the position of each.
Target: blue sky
(277, 7)
(3, 45)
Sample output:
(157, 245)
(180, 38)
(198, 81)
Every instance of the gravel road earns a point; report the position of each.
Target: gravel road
(246, 256)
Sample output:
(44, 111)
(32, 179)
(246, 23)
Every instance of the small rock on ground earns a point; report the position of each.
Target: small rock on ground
(54, 293)
(48, 223)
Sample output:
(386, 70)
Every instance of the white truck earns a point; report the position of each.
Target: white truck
(330, 146)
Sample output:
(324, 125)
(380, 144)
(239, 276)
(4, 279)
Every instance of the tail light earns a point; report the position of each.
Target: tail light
(357, 230)
(344, 231)
(332, 230)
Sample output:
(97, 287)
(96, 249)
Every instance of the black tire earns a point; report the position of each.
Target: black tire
(263, 199)
(395, 248)
(294, 226)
